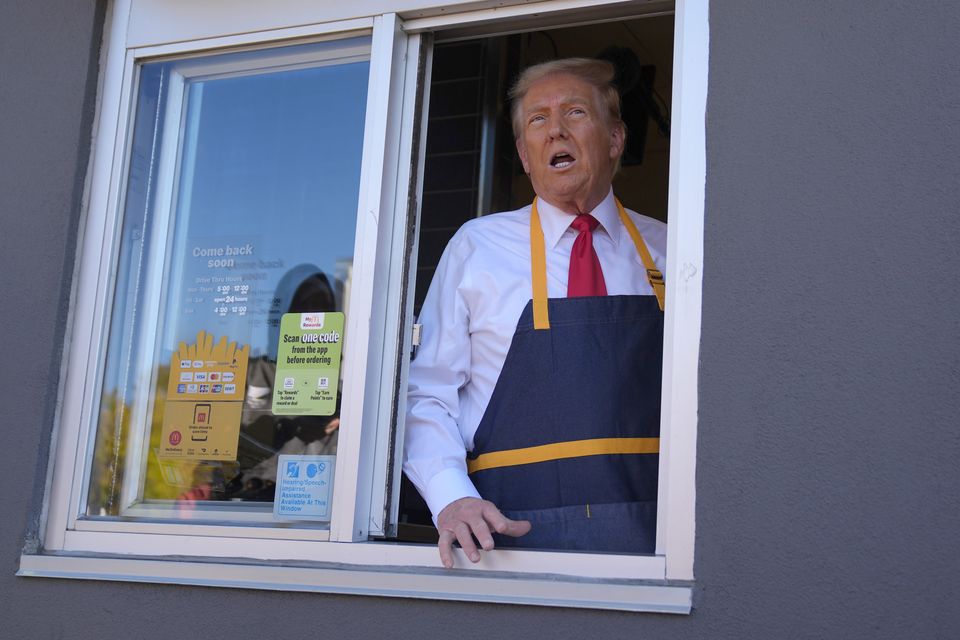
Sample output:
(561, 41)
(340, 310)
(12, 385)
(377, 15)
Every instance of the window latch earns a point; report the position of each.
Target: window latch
(417, 330)
(415, 341)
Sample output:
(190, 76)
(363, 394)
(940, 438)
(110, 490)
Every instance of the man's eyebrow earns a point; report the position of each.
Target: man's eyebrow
(565, 100)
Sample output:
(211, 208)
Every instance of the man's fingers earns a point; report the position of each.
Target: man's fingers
(466, 518)
(516, 528)
(466, 542)
(504, 525)
(482, 533)
(445, 545)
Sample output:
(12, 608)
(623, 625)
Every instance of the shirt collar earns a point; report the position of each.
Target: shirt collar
(555, 222)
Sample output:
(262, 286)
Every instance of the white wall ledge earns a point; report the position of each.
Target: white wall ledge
(400, 582)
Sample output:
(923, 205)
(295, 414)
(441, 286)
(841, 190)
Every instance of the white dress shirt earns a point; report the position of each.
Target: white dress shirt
(470, 314)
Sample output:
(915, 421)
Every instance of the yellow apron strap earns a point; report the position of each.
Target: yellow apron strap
(654, 276)
(561, 450)
(538, 259)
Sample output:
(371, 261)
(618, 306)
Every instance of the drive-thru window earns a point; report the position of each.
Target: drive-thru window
(268, 197)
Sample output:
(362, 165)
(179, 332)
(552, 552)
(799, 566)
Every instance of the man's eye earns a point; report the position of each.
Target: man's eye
(536, 119)
(577, 111)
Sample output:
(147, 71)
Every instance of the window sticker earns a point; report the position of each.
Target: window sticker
(222, 276)
(304, 487)
(308, 364)
(202, 421)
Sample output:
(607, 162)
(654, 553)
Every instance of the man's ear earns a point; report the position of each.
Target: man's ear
(522, 152)
(618, 138)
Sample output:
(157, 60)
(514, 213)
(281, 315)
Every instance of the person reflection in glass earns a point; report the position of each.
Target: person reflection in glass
(303, 289)
(263, 435)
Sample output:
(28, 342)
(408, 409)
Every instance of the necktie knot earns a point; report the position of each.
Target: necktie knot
(584, 222)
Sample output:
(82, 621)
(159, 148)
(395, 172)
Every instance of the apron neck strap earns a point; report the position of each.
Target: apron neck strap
(538, 260)
(654, 275)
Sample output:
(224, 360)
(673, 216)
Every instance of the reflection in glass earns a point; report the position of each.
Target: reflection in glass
(240, 206)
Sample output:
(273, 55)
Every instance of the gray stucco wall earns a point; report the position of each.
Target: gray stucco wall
(48, 75)
(828, 440)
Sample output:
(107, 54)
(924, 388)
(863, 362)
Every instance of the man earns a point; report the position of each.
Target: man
(545, 409)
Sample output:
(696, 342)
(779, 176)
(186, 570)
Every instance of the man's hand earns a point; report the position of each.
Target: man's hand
(467, 516)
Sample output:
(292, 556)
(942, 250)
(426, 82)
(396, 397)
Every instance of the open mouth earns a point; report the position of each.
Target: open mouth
(562, 160)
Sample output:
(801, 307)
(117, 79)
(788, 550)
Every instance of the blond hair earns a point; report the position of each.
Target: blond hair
(598, 73)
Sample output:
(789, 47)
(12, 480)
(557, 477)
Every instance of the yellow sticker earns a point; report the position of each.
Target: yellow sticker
(208, 371)
(201, 418)
(200, 430)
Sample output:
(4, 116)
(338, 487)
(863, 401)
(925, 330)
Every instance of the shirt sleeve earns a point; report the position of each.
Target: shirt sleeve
(434, 449)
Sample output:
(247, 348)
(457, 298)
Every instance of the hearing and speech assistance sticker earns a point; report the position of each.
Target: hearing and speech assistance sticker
(308, 364)
(201, 417)
(304, 487)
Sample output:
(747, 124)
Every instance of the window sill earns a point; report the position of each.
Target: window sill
(389, 581)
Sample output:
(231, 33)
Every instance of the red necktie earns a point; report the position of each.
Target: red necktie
(586, 276)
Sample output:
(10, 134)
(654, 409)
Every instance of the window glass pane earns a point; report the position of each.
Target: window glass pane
(240, 207)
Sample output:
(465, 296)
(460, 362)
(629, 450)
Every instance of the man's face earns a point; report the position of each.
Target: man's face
(567, 143)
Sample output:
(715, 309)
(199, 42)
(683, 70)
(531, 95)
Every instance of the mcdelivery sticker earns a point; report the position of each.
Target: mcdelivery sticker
(201, 420)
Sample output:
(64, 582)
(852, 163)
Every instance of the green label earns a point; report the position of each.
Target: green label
(308, 364)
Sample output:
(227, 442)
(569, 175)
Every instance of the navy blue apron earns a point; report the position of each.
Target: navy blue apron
(570, 438)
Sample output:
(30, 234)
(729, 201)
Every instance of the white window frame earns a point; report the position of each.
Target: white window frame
(138, 551)
(131, 505)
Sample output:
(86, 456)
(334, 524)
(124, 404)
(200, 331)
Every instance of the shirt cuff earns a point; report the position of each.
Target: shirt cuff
(445, 487)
